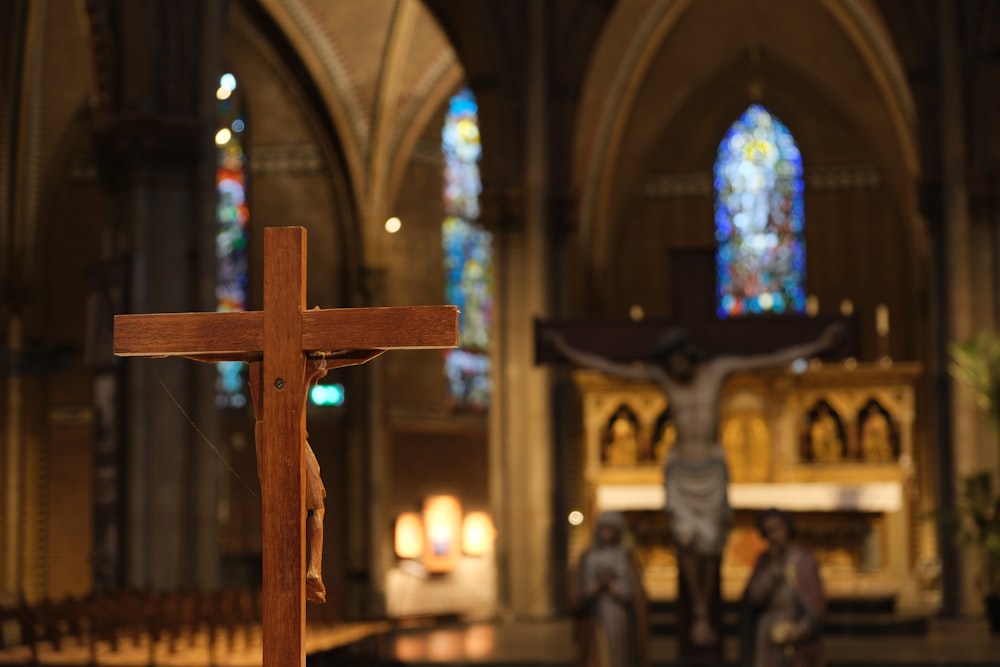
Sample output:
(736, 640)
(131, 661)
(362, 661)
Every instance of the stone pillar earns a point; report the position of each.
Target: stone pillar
(960, 312)
(12, 474)
(154, 123)
(521, 427)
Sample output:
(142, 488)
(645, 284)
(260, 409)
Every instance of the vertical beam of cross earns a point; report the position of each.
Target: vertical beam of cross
(281, 449)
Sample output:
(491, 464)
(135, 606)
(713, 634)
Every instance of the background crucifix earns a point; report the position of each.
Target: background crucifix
(286, 348)
(613, 347)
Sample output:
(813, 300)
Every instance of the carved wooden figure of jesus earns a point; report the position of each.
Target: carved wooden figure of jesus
(315, 493)
(315, 510)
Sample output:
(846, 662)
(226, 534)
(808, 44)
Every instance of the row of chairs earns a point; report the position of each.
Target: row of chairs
(132, 621)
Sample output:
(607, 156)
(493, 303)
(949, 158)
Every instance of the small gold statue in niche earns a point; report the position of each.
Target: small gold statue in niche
(747, 443)
(825, 435)
(878, 441)
(621, 440)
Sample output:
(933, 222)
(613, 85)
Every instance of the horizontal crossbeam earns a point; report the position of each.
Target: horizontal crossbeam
(239, 336)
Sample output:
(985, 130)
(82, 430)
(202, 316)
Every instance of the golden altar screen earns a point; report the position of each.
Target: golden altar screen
(836, 446)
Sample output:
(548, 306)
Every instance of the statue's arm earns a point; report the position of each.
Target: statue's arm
(597, 362)
(763, 581)
(830, 337)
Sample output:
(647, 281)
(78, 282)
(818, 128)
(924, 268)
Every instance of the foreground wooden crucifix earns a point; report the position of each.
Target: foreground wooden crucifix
(282, 346)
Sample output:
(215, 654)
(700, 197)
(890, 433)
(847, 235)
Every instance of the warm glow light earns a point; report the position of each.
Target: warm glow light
(393, 225)
(477, 534)
(636, 313)
(575, 518)
(442, 530)
(882, 319)
(223, 93)
(409, 537)
(846, 307)
(444, 646)
(410, 647)
(812, 305)
(479, 641)
(223, 136)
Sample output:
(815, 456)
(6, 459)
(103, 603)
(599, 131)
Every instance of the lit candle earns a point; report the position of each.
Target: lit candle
(812, 305)
(882, 319)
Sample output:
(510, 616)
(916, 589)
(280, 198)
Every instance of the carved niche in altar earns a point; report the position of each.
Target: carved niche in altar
(833, 445)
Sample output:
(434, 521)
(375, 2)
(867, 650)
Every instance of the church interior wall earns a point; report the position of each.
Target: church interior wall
(430, 462)
(293, 181)
(59, 238)
(74, 243)
(431, 450)
(415, 274)
(55, 88)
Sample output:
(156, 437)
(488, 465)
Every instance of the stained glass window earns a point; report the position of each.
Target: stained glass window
(759, 218)
(232, 225)
(468, 256)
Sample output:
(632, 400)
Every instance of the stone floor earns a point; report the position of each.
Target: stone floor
(951, 642)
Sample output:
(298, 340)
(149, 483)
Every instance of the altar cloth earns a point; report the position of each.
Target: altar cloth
(791, 496)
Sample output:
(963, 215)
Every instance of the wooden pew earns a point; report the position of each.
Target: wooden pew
(138, 628)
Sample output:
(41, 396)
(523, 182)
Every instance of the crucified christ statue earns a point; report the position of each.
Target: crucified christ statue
(315, 510)
(696, 475)
(315, 492)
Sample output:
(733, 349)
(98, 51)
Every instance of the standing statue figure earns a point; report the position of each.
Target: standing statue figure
(783, 603)
(696, 475)
(611, 601)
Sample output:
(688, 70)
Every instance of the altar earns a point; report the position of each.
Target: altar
(837, 445)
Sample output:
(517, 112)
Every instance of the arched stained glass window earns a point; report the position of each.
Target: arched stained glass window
(759, 218)
(233, 222)
(468, 256)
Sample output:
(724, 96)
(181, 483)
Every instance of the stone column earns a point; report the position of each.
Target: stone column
(521, 426)
(960, 309)
(154, 122)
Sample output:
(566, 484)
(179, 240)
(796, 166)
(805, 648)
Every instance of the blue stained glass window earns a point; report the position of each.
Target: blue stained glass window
(468, 256)
(759, 218)
(232, 231)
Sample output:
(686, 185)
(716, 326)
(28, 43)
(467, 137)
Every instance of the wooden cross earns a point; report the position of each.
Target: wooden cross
(281, 344)
(693, 282)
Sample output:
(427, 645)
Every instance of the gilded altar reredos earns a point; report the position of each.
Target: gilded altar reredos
(838, 445)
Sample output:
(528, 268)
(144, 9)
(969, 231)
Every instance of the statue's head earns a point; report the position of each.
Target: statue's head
(678, 353)
(670, 340)
(610, 528)
(768, 517)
